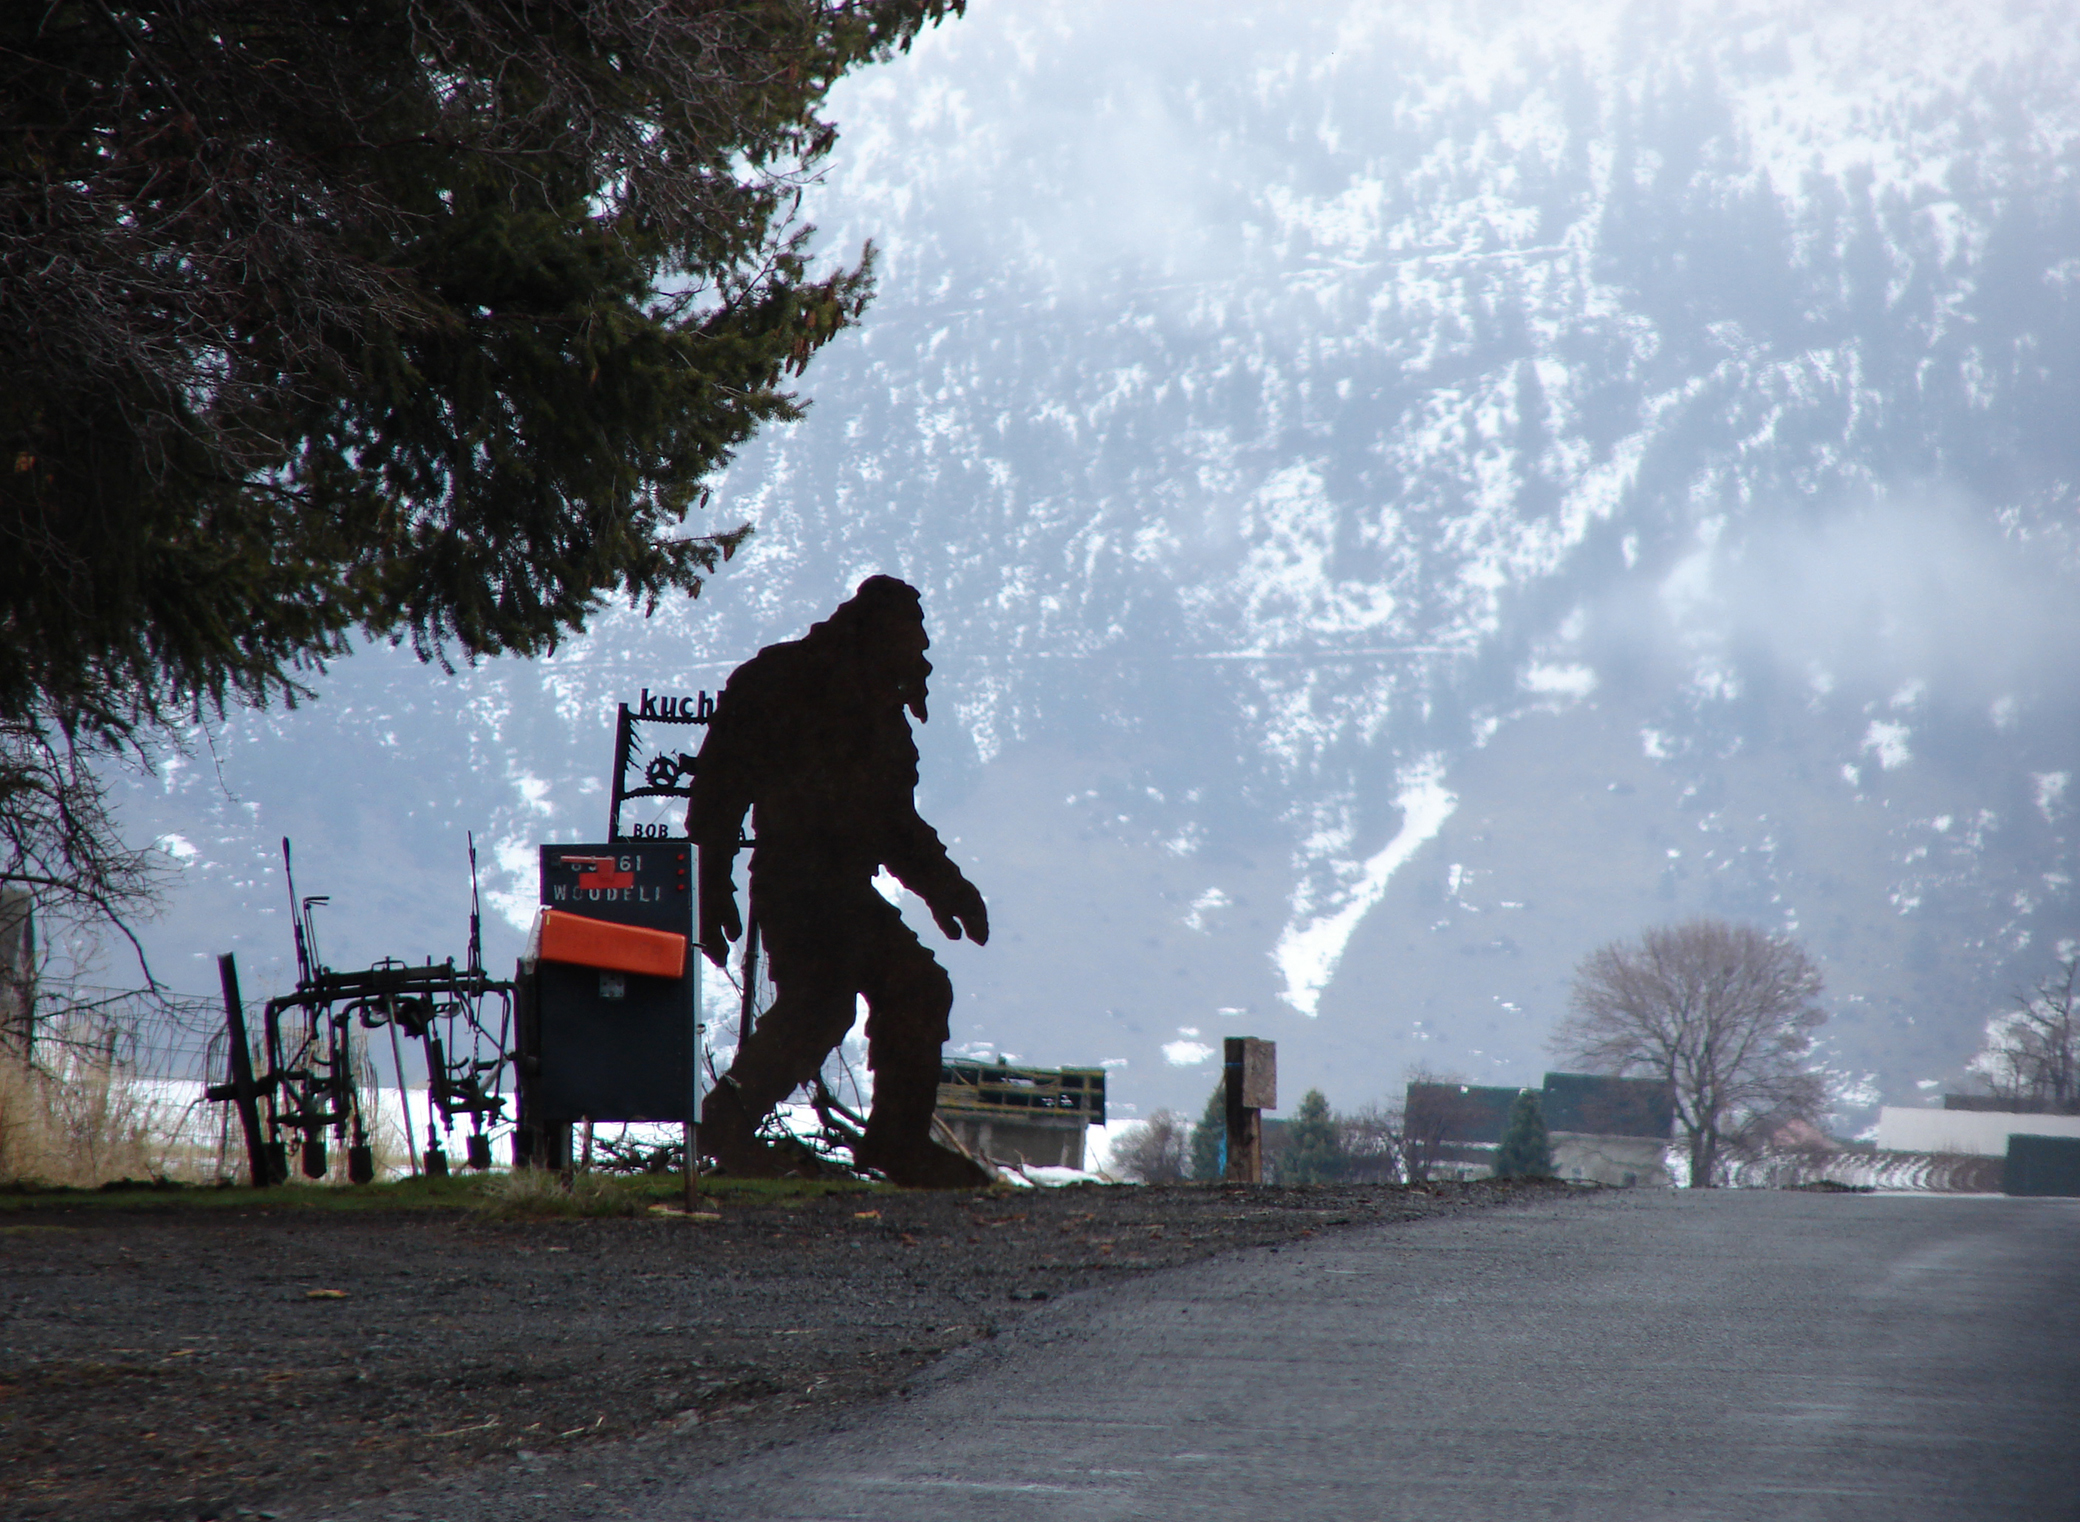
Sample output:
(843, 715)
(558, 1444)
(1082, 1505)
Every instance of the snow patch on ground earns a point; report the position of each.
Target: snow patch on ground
(1559, 681)
(1048, 1178)
(1203, 905)
(1888, 742)
(515, 859)
(1307, 955)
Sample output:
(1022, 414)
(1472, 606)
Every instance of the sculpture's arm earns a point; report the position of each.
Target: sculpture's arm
(918, 858)
(722, 794)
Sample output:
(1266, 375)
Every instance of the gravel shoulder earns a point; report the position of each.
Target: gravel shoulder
(191, 1363)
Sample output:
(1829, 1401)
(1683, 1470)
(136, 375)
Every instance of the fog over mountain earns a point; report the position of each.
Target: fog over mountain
(1403, 494)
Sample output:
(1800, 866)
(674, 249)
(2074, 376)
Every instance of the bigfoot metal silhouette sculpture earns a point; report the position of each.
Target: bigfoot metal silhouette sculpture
(811, 736)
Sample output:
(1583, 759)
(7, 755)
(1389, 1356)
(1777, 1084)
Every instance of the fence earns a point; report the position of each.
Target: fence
(1920, 1172)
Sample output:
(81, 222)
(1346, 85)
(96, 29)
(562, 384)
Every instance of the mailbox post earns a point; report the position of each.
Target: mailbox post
(1252, 1088)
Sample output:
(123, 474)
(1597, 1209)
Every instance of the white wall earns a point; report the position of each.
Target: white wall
(1615, 1160)
(1986, 1133)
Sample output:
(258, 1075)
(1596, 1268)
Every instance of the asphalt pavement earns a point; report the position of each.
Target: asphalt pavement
(1642, 1354)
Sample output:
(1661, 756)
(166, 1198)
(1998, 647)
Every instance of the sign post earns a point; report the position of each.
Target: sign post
(693, 1066)
(1252, 1088)
(666, 773)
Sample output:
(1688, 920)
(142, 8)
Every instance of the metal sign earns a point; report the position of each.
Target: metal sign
(626, 882)
(666, 773)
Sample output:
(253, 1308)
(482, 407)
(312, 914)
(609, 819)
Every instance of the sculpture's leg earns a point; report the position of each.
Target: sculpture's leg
(729, 1134)
(909, 1000)
(817, 986)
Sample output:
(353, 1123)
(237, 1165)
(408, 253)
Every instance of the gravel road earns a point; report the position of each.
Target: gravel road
(1642, 1354)
(182, 1363)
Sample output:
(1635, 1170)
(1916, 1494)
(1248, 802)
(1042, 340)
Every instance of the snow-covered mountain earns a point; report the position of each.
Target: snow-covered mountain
(1403, 494)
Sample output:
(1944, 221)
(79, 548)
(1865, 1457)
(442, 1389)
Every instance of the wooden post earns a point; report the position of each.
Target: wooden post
(747, 1016)
(623, 734)
(531, 1139)
(1252, 1088)
(693, 1046)
(244, 1092)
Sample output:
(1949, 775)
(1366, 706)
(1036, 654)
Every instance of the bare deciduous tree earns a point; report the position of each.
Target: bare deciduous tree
(1157, 1151)
(63, 866)
(2032, 1053)
(1725, 1013)
(1436, 1116)
(1424, 1127)
(1373, 1144)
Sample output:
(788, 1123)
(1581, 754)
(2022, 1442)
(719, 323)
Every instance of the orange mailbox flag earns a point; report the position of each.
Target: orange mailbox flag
(564, 937)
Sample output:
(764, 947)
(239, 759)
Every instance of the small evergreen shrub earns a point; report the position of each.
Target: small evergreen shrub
(1313, 1151)
(1526, 1150)
(1208, 1135)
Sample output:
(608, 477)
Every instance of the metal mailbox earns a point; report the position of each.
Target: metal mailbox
(608, 1033)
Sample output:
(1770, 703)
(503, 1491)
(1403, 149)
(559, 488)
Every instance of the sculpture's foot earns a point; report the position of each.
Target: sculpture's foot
(728, 1134)
(923, 1165)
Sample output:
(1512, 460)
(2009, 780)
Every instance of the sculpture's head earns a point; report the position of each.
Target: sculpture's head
(883, 623)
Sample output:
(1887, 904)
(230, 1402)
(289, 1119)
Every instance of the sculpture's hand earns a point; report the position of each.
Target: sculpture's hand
(719, 925)
(961, 908)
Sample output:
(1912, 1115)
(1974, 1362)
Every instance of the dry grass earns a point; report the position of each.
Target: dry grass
(533, 1192)
(387, 1139)
(79, 1115)
(75, 1117)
